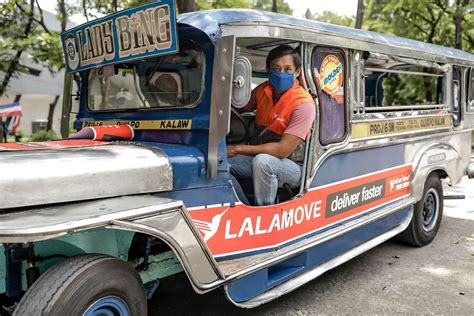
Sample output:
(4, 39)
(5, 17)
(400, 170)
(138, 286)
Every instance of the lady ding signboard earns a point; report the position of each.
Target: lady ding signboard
(141, 32)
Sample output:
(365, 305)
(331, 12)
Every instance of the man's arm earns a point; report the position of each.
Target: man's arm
(281, 149)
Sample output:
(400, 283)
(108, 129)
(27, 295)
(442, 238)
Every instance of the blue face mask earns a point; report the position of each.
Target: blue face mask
(281, 81)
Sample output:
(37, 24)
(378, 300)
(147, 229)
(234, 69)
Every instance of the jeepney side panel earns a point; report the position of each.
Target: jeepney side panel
(448, 155)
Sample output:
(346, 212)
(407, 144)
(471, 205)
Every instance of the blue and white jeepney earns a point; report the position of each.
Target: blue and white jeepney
(90, 226)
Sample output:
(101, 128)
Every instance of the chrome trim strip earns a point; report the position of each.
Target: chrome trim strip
(36, 224)
(410, 108)
(395, 71)
(176, 233)
(304, 278)
(384, 117)
(219, 124)
(201, 241)
(403, 138)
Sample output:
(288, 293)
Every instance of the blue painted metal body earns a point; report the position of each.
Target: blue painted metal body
(349, 165)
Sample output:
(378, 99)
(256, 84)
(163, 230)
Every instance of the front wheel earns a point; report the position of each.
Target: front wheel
(427, 214)
(88, 285)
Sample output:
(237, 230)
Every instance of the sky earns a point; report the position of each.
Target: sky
(341, 7)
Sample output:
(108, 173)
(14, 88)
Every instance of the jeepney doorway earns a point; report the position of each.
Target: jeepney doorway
(243, 129)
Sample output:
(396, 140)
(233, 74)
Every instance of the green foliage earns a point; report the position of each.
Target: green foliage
(333, 18)
(42, 136)
(13, 24)
(267, 5)
(423, 20)
(409, 89)
(223, 4)
(47, 49)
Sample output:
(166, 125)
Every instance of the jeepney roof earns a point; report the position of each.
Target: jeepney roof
(210, 22)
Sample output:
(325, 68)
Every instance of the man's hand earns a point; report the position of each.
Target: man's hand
(231, 152)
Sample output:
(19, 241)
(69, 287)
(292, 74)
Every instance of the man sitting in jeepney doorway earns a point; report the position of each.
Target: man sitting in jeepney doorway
(285, 111)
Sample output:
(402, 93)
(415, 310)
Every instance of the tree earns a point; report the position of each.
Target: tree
(186, 6)
(223, 4)
(268, 5)
(14, 42)
(360, 14)
(423, 20)
(442, 22)
(333, 18)
(459, 13)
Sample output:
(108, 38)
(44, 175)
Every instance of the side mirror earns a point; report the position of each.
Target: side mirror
(242, 82)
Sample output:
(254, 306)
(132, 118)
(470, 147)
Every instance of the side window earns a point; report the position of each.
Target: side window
(457, 96)
(328, 66)
(470, 94)
(392, 85)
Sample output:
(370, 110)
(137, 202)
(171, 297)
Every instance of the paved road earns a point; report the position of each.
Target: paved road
(392, 278)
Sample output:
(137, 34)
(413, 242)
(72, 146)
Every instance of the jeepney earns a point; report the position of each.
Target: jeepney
(90, 225)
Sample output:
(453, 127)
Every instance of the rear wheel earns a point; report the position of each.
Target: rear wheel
(87, 285)
(427, 214)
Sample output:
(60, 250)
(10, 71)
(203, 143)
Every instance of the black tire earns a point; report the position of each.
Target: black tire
(427, 214)
(74, 285)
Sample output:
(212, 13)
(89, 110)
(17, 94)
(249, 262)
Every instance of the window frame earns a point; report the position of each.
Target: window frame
(457, 79)
(470, 91)
(152, 109)
(363, 111)
(344, 55)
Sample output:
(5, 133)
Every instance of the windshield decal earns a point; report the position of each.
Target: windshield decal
(142, 32)
(146, 125)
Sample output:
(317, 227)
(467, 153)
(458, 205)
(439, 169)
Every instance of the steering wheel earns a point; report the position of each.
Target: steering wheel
(232, 138)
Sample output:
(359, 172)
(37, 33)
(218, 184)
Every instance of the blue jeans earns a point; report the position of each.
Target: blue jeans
(268, 173)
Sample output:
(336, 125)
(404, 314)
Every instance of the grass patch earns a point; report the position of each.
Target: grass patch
(42, 136)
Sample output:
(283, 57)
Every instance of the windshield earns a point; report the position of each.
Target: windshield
(165, 82)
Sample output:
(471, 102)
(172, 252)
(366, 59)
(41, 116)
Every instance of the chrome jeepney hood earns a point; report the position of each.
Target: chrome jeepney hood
(49, 176)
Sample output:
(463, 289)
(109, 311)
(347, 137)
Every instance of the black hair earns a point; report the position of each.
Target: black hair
(283, 50)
